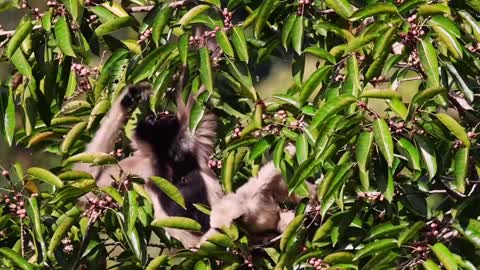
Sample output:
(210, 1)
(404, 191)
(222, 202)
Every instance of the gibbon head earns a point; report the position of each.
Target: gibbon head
(159, 131)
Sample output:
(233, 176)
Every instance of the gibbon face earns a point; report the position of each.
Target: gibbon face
(159, 131)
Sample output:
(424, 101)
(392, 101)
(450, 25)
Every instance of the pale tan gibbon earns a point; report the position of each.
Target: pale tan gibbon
(164, 146)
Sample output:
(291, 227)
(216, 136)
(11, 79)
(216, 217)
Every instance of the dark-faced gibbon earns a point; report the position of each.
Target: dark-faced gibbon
(163, 146)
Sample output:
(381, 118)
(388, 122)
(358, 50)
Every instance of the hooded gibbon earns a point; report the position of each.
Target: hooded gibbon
(164, 146)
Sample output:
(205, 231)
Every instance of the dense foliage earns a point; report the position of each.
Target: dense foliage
(386, 124)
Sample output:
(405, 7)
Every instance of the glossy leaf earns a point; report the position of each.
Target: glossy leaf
(169, 189)
(113, 25)
(160, 22)
(63, 36)
(224, 43)
(72, 136)
(384, 140)
(450, 41)
(297, 34)
(181, 223)
(374, 9)
(445, 256)
(45, 176)
(341, 7)
(266, 8)
(461, 168)
(240, 43)
(206, 74)
(313, 83)
(454, 127)
(331, 107)
(18, 37)
(429, 61)
(428, 155)
(408, 150)
(374, 247)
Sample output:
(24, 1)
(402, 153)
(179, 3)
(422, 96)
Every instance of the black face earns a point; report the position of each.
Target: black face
(158, 130)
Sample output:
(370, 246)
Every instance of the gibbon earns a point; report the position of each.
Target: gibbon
(163, 147)
(256, 204)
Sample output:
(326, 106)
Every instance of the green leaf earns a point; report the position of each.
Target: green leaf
(454, 127)
(450, 41)
(313, 83)
(341, 7)
(384, 43)
(446, 24)
(359, 42)
(266, 8)
(159, 23)
(302, 148)
(287, 29)
(227, 172)
(410, 232)
(408, 150)
(445, 256)
(206, 74)
(22, 31)
(428, 155)
(113, 25)
(9, 119)
(291, 232)
(362, 155)
(67, 221)
(397, 106)
(374, 247)
(427, 94)
(374, 9)
(156, 263)
(222, 240)
(433, 9)
(75, 8)
(72, 136)
(93, 158)
(461, 168)
(169, 189)
(384, 140)
(147, 67)
(188, 17)
(100, 109)
(468, 18)
(241, 72)
(380, 93)
(331, 107)
(386, 229)
(183, 44)
(64, 37)
(181, 223)
(297, 35)
(240, 43)
(430, 265)
(467, 92)
(33, 212)
(130, 210)
(20, 62)
(45, 176)
(16, 258)
(259, 148)
(224, 43)
(429, 61)
(278, 152)
(321, 53)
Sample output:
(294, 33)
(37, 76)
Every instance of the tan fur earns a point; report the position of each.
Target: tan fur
(256, 203)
